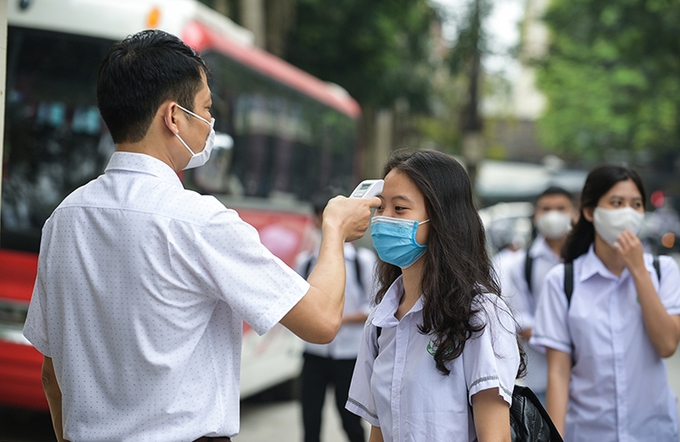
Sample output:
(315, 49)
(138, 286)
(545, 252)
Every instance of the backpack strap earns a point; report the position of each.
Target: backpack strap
(308, 267)
(568, 281)
(528, 270)
(357, 268)
(529, 266)
(657, 267)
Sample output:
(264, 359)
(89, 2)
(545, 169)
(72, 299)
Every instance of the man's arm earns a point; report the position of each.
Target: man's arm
(53, 394)
(318, 315)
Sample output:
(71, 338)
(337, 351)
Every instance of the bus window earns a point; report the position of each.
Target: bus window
(55, 139)
(285, 143)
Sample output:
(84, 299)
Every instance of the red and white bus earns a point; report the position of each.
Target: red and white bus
(283, 135)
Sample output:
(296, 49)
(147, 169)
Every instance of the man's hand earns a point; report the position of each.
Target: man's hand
(318, 315)
(351, 216)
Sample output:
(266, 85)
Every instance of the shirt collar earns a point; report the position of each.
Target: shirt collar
(540, 247)
(143, 163)
(593, 265)
(384, 312)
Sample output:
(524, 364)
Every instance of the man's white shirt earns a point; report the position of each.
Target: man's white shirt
(140, 299)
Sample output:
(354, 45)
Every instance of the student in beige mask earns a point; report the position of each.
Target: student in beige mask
(608, 318)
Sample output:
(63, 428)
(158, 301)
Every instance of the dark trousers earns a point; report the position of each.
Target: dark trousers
(317, 373)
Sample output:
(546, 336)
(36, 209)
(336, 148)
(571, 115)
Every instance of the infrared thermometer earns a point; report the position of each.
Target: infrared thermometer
(368, 189)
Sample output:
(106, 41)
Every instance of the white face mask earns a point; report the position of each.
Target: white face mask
(553, 224)
(199, 159)
(610, 223)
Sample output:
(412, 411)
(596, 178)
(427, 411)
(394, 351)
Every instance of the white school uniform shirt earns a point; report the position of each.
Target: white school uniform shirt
(140, 298)
(357, 300)
(619, 387)
(398, 387)
(523, 303)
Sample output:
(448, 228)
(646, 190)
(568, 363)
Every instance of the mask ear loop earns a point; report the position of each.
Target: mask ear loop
(177, 135)
(196, 115)
(185, 145)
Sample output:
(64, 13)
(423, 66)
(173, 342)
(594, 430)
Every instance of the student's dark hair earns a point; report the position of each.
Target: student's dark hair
(139, 74)
(598, 182)
(457, 267)
(554, 190)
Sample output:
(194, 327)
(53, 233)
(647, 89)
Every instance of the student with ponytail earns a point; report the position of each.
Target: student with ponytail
(607, 318)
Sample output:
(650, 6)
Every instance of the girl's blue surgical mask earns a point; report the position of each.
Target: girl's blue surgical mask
(395, 240)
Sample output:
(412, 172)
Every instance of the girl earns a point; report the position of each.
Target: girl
(439, 354)
(605, 345)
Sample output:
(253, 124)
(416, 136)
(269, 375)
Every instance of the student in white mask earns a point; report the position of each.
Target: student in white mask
(607, 318)
(524, 276)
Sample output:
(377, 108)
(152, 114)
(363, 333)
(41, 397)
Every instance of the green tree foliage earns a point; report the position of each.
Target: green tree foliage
(379, 50)
(612, 78)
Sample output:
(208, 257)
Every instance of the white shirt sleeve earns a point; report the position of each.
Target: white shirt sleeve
(669, 289)
(519, 296)
(233, 265)
(491, 359)
(551, 327)
(360, 398)
(35, 326)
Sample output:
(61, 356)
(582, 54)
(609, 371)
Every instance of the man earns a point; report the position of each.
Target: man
(524, 277)
(143, 286)
(333, 363)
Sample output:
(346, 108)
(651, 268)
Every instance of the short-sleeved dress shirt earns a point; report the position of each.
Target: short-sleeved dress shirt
(523, 302)
(140, 299)
(619, 387)
(398, 387)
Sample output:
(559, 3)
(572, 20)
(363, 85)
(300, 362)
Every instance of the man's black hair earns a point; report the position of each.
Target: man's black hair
(139, 74)
(554, 190)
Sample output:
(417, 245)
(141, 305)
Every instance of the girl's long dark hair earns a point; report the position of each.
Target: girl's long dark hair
(599, 181)
(457, 266)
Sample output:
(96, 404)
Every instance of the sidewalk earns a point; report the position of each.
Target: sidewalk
(281, 421)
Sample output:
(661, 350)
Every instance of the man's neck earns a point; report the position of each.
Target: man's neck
(556, 244)
(150, 149)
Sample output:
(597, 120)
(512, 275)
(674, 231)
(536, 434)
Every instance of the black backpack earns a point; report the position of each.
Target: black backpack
(529, 421)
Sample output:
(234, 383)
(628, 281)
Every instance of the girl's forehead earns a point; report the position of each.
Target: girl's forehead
(400, 187)
(624, 189)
